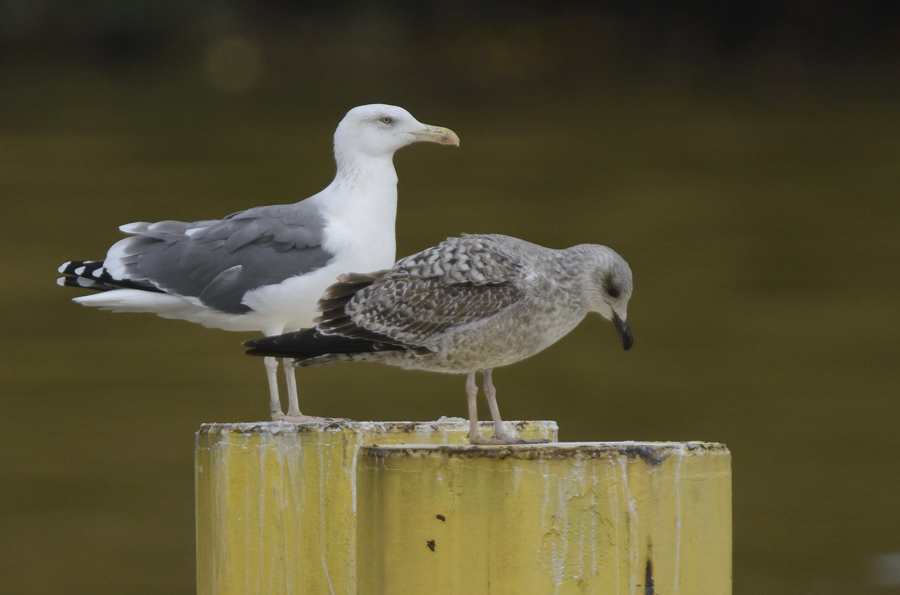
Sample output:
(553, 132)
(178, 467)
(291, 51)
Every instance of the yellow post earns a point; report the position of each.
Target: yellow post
(600, 518)
(276, 502)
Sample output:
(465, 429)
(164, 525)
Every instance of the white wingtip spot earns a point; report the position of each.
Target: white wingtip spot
(62, 267)
(61, 281)
(96, 273)
(79, 270)
(85, 282)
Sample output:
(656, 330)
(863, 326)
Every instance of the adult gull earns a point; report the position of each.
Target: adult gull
(467, 305)
(264, 269)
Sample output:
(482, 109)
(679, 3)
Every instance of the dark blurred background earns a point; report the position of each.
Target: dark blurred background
(744, 156)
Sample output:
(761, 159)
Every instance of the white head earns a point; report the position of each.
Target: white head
(609, 288)
(378, 130)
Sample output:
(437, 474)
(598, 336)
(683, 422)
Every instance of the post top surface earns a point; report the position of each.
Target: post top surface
(284, 427)
(652, 452)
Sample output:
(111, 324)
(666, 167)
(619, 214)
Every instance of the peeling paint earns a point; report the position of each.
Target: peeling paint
(653, 453)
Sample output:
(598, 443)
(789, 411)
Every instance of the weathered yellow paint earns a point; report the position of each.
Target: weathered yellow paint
(602, 518)
(276, 502)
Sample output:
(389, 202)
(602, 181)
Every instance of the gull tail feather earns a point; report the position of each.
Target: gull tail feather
(310, 347)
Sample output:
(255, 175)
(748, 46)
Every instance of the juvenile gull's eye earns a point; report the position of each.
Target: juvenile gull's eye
(387, 119)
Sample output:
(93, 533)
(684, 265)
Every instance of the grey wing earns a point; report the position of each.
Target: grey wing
(461, 281)
(218, 262)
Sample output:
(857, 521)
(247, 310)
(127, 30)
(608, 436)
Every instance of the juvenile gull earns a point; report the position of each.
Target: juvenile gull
(469, 304)
(264, 269)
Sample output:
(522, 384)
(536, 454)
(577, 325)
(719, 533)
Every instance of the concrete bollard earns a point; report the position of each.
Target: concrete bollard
(567, 518)
(276, 502)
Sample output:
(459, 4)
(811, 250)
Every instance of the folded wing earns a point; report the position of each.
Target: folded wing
(218, 262)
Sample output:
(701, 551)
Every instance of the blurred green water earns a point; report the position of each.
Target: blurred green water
(764, 246)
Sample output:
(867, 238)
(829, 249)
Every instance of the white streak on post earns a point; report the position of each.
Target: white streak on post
(632, 522)
(322, 528)
(681, 452)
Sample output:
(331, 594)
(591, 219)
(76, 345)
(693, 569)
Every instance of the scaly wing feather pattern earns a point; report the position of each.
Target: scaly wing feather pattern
(458, 282)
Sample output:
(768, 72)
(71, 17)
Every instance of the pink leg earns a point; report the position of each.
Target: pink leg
(291, 381)
(293, 414)
(490, 394)
(472, 396)
(500, 435)
(272, 374)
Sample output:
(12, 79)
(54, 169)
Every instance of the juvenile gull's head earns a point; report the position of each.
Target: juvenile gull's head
(378, 130)
(608, 287)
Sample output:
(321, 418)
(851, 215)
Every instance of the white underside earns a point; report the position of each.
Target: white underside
(287, 306)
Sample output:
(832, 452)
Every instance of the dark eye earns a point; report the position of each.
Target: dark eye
(613, 291)
(387, 120)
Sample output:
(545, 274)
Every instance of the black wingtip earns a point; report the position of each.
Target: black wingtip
(255, 352)
(92, 274)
